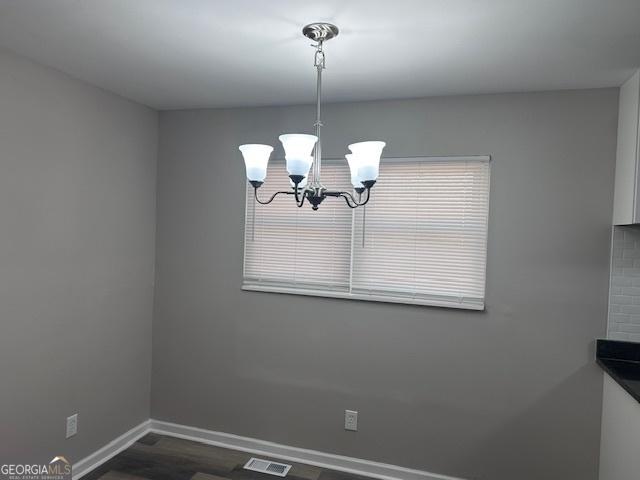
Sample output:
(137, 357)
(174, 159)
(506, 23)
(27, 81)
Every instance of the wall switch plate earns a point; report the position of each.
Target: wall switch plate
(351, 420)
(72, 425)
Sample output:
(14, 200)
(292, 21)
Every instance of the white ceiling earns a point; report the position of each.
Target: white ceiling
(211, 53)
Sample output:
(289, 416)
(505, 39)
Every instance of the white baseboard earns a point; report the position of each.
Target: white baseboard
(331, 461)
(110, 450)
(367, 468)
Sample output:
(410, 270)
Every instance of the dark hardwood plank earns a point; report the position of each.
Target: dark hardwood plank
(160, 457)
(115, 475)
(168, 451)
(150, 439)
(206, 476)
(304, 472)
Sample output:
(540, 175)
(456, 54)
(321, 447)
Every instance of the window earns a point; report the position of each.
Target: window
(422, 239)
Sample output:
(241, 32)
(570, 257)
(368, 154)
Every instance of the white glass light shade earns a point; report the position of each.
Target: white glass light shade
(299, 165)
(354, 165)
(297, 152)
(256, 159)
(368, 155)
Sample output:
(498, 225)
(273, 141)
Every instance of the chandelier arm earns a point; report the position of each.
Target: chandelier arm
(304, 196)
(267, 202)
(360, 204)
(299, 201)
(351, 201)
(346, 197)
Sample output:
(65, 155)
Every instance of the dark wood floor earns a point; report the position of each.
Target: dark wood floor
(158, 457)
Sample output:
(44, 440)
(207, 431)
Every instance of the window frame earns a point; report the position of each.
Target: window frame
(327, 292)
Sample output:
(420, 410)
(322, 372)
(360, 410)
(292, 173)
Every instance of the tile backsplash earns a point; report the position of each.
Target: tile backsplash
(624, 291)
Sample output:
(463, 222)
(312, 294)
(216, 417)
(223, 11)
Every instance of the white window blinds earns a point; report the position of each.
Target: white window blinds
(423, 235)
(422, 238)
(287, 246)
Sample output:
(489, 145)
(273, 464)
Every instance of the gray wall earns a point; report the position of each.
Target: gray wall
(508, 393)
(77, 208)
(624, 291)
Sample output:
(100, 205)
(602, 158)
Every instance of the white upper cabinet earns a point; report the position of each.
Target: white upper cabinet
(626, 202)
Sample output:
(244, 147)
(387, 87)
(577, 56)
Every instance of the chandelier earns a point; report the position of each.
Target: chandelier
(363, 161)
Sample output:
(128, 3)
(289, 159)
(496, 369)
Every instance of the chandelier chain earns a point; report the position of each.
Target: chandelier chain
(319, 63)
(318, 59)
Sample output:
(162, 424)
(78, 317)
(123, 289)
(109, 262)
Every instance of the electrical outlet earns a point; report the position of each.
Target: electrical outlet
(351, 420)
(72, 425)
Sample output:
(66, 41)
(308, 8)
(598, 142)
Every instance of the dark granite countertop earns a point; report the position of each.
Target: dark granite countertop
(621, 360)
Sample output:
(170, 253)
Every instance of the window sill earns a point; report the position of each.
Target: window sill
(468, 305)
